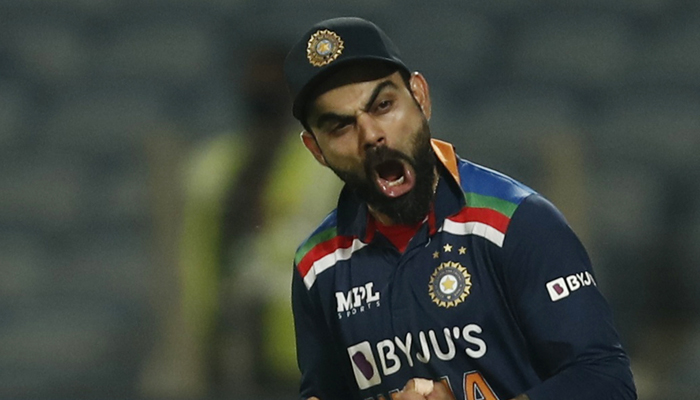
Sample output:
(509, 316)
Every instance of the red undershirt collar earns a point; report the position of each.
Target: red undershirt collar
(400, 234)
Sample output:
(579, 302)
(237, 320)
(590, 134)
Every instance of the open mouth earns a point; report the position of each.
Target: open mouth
(394, 177)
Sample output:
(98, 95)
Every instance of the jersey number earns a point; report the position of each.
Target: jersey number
(476, 388)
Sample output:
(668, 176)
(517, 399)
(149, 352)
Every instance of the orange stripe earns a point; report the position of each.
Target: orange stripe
(446, 153)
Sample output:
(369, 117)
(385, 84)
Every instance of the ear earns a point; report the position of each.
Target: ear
(310, 142)
(421, 92)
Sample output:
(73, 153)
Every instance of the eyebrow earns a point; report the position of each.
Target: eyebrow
(334, 117)
(375, 93)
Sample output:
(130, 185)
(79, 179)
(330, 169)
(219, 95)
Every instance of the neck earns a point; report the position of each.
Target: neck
(382, 218)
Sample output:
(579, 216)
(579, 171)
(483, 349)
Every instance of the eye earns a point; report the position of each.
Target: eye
(383, 105)
(339, 129)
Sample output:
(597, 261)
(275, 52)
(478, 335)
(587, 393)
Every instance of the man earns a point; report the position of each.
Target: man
(434, 278)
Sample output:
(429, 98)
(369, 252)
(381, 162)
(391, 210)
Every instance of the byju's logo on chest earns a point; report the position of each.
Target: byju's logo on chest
(357, 300)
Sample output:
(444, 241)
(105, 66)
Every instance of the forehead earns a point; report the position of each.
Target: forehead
(352, 84)
(355, 72)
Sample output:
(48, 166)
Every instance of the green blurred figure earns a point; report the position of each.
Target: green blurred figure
(248, 194)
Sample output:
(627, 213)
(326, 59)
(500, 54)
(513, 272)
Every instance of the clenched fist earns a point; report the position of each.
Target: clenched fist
(423, 389)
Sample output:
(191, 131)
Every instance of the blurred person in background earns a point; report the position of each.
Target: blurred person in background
(231, 330)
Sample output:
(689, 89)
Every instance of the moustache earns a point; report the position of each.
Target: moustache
(381, 154)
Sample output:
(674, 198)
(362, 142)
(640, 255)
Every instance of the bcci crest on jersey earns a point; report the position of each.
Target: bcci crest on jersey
(450, 284)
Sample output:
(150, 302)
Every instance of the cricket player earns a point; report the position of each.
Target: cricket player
(434, 278)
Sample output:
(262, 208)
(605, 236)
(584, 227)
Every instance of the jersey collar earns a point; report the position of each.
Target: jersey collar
(445, 152)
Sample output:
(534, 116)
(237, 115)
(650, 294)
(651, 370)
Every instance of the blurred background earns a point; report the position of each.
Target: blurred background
(153, 187)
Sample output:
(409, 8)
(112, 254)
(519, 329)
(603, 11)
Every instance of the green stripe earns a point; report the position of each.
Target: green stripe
(480, 201)
(313, 241)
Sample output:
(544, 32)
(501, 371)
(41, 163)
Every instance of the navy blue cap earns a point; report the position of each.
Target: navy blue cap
(330, 44)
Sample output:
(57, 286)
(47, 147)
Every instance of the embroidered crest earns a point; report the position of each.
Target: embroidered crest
(324, 47)
(449, 284)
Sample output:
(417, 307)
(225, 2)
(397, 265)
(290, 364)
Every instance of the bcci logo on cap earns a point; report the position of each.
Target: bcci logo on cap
(324, 47)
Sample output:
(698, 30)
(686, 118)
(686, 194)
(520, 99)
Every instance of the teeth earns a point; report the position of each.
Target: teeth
(396, 182)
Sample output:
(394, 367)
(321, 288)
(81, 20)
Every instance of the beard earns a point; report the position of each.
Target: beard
(411, 207)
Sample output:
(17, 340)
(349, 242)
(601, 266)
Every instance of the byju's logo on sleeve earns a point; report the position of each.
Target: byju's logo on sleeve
(557, 289)
(564, 286)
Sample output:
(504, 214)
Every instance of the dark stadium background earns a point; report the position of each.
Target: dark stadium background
(595, 103)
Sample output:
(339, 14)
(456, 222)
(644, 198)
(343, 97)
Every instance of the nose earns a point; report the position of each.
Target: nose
(372, 133)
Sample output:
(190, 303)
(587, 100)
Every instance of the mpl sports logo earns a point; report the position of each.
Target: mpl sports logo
(562, 287)
(357, 299)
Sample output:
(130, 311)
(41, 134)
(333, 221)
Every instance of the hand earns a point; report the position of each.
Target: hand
(439, 392)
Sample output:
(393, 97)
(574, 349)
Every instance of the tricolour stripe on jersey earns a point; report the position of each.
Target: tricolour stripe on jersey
(474, 228)
(504, 207)
(311, 242)
(484, 216)
(331, 259)
(322, 251)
